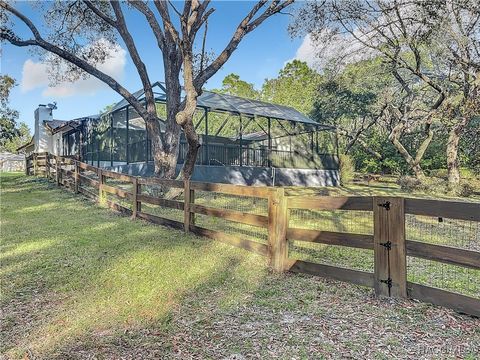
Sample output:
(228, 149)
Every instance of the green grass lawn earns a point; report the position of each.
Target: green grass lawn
(449, 232)
(88, 268)
(79, 281)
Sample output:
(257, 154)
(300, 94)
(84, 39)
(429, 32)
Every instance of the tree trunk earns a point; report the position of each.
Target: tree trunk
(452, 152)
(173, 93)
(414, 163)
(418, 171)
(165, 146)
(193, 146)
(185, 116)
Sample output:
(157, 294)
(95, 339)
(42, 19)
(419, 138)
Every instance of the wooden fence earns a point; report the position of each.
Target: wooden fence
(388, 241)
(36, 164)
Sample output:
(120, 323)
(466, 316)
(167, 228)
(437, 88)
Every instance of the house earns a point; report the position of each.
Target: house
(57, 137)
(243, 141)
(11, 162)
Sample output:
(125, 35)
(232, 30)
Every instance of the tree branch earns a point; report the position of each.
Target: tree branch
(100, 14)
(82, 64)
(245, 26)
(152, 21)
(162, 8)
(132, 49)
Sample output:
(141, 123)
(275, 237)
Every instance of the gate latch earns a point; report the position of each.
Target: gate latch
(387, 245)
(385, 205)
(388, 282)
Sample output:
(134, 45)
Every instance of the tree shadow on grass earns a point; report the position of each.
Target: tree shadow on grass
(152, 338)
(77, 271)
(229, 315)
(122, 289)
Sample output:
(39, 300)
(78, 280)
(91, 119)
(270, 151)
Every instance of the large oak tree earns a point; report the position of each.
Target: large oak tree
(430, 48)
(74, 27)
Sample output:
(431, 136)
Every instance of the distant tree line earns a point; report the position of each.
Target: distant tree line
(13, 134)
(353, 100)
(400, 81)
(415, 85)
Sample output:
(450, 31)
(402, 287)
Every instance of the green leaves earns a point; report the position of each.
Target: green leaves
(295, 86)
(8, 116)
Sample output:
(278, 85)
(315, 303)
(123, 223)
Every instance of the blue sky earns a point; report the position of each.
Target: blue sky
(260, 55)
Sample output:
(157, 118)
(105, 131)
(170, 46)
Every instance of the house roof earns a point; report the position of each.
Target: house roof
(25, 145)
(230, 103)
(54, 124)
(61, 125)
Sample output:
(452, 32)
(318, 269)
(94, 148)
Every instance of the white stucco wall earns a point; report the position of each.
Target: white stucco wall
(43, 138)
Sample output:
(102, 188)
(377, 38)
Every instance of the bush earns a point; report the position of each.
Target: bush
(429, 184)
(434, 185)
(441, 173)
(409, 183)
(347, 169)
(371, 165)
(464, 189)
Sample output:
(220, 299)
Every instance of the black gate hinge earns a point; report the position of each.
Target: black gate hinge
(388, 282)
(385, 205)
(387, 245)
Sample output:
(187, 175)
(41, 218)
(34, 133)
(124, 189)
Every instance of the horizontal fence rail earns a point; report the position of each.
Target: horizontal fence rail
(390, 246)
(249, 212)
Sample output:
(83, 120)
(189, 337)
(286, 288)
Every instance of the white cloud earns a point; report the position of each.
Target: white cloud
(308, 53)
(35, 75)
(342, 49)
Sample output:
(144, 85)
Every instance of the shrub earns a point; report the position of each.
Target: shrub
(371, 165)
(429, 184)
(409, 183)
(392, 165)
(441, 173)
(347, 169)
(464, 189)
(434, 185)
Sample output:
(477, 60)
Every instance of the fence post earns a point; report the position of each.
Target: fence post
(186, 205)
(389, 246)
(34, 164)
(277, 229)
(101, 181)
(77, 173)
(57, 174)
(47, 166)
(192, 201)
(137, 205)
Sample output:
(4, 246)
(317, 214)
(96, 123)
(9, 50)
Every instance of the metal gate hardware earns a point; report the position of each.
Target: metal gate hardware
(388, 282)
(385, 205)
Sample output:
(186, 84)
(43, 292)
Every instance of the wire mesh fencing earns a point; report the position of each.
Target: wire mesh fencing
(236, 203)
(170, 208)
(455, 233)
(121, 198)
(343, 221)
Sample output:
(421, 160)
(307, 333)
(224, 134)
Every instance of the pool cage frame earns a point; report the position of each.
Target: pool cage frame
(281, 136)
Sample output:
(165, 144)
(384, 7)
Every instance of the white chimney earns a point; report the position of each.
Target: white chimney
(42, 137)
